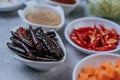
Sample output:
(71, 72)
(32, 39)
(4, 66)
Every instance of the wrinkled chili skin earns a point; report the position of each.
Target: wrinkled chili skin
(95, 38)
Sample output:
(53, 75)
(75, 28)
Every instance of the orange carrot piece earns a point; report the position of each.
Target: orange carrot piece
(83, 76)
(89, 70)
(110, 70)
(117, 74)
(117, 63)
(103, 75)
(105, 64)
(92, 78)
(97, 71)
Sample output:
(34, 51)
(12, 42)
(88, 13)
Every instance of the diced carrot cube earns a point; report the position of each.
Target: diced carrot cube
(117, 63)
(105, 64)
(89, 70)
(117, 74)
(82, 76)
(97, 71)
(82, 79)
(92, 78)
(104, 76)
(110, 70)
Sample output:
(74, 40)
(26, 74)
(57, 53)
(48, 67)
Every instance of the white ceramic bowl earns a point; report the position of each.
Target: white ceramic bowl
(41, 65)
(67, 7)
(12, 7)
(93, 60)
(90, 21)
(33, 6)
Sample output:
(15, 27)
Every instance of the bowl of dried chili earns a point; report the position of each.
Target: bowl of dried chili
(93, 35)
(36, 51)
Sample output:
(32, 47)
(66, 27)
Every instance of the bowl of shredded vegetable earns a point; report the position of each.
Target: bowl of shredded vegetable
(105, 8)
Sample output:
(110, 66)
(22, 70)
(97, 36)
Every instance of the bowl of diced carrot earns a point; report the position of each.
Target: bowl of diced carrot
(98, 67)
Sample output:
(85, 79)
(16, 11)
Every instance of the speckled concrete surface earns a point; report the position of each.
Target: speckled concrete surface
(12, 69)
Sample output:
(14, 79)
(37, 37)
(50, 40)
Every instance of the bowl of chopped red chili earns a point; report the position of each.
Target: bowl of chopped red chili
(93, 35)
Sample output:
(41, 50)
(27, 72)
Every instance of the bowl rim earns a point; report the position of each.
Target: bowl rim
(90, 56)
(88, 18)
(58, 9)
(63, 4)
(15, 5)
(39, 62)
